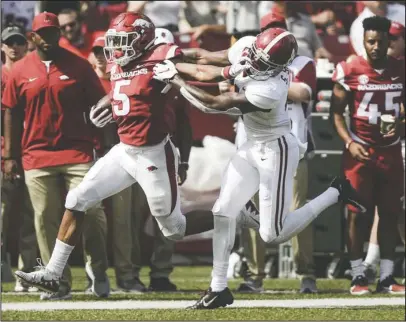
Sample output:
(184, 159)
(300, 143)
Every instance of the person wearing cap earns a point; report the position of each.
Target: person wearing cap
(51, 91)
(14, 46)
(397, 40)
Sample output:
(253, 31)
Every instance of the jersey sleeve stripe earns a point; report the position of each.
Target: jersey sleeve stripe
(340, 76)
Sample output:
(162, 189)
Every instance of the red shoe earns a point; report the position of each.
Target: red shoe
(390, 286)
(359, 286)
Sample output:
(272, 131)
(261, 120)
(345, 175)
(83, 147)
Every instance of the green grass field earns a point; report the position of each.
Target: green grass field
(191, 281)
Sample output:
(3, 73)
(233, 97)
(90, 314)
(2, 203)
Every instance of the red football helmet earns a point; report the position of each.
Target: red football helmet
(129, 36)
(272, 51)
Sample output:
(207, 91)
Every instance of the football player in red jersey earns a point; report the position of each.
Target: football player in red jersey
(145, 153)
(372, 86)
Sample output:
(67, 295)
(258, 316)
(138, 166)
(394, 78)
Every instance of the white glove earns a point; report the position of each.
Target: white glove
(232, 71)
(165, 71)
(100, 116)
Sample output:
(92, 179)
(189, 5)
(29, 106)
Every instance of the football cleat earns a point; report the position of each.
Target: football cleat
(42, 279)
(359, 286)
(249, 216)
(213, 300)
(347, 193)
(390, 286)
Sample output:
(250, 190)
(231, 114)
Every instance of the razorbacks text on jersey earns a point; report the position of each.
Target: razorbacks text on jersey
(374, 93)
(138, 103)
(269, 95)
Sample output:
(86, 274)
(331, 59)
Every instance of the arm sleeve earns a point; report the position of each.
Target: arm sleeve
(339, 75)
(236, 50)
(262, 96)
(307, 76)
(174, 52)
(10, 93)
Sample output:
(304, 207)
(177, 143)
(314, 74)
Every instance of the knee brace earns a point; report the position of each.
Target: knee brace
(75, 201)
(172, 226)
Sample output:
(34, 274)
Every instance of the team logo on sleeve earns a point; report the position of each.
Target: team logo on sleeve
(363, 79)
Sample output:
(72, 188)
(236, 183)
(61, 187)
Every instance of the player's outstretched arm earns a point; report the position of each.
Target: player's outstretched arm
(221, 102)
(205, 57)
(201, 73)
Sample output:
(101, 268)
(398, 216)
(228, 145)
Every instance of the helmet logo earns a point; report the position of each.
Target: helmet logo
(141, 23)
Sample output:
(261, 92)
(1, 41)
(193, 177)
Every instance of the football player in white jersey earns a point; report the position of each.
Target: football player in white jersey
(269, 158)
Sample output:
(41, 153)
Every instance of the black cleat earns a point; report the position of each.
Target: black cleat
(161, 284)
(347, 193)
(213, 300)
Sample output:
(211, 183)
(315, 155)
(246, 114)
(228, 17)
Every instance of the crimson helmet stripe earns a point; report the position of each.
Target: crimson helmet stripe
(275, 40)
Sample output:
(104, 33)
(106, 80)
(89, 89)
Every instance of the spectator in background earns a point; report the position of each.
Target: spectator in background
(19, 13)
(302, 27)
(57, 143)
(397, 41)
(202, 17)
(14, 195)
(164, 14)
(75, 34)
(97, 17)
(372, 161)
(392, 11)
(243, 17)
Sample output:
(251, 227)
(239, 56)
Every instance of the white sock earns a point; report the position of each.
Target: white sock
(373, 255)
(223, 242)
(386, 268)
(59, 257)
(325, 200)
(357, 268)
(299, 219)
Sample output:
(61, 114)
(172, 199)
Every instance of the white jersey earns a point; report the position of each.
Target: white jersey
(269, 95)
(298, 112)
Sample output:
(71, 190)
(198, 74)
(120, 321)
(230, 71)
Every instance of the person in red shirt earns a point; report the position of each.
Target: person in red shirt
(397, 50)
(372, 86)
(75, 34)
(47, 96)
(14, 46)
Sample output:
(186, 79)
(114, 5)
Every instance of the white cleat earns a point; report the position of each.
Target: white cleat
(42, 279)
(248, 216)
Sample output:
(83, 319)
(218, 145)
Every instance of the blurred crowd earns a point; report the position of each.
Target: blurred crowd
(325, 30)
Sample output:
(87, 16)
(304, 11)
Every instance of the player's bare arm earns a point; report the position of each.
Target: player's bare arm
(201, 73)
(298, 93)
(205, 57)
(221, 102)
(339, 101)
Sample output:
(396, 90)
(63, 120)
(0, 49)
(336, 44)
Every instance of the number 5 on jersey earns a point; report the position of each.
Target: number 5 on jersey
(123, 108)
(373, 113)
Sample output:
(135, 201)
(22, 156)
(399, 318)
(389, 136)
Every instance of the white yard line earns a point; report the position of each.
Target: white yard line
(133, 305)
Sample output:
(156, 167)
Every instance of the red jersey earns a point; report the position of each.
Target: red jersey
(55, 101)
(374, 93)
(137, 100)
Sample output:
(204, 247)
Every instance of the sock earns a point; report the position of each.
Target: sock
(372, 255)
(59, 257)
(386, 268)
(297, 220)
(357, 268)
(223, 242)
